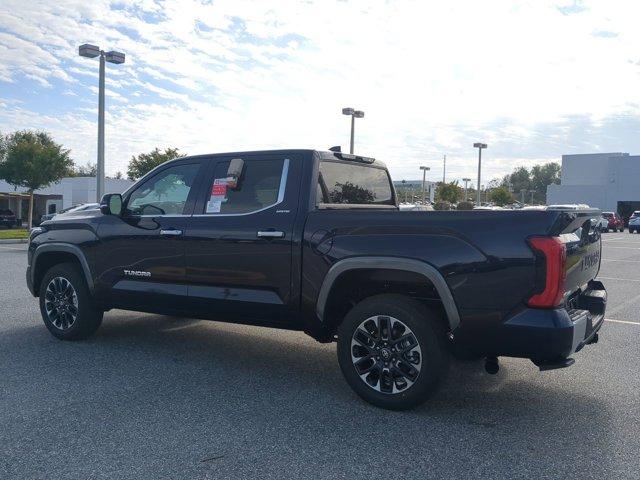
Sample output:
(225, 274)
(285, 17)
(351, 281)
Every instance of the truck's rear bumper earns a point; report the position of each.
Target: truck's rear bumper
(548, 335)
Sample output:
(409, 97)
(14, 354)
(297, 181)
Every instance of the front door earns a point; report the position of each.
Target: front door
(239, 240)
(140, 260)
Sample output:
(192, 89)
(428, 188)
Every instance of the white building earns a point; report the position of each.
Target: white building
(608, 181)
(66, 193)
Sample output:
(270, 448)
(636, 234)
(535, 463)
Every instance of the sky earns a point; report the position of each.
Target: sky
(533, 79)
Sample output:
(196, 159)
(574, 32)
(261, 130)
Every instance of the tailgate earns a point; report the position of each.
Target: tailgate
(584, 247)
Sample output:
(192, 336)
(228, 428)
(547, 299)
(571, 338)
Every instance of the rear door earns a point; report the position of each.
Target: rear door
(239, 240)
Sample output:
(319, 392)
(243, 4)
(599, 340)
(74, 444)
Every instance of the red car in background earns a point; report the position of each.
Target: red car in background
(615, 222)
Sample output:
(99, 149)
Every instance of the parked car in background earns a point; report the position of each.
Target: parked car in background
(7, 218)
(415, 207)
(76, 208)
(602, 224)
(569, 206)
(615, 222)
(634, 222)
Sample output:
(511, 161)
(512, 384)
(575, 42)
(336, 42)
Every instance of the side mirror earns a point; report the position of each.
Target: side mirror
(111, 204)
(234, 172)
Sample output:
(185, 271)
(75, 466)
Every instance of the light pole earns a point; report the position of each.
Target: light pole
(424, 178)
(92, 51)
(479, 146)
(354, 114)
(444, 170)
(465, 180)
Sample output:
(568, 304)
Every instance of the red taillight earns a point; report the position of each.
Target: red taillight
(555, 254)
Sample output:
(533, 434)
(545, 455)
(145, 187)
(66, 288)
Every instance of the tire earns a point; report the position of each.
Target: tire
(65, 304)
(397, 387)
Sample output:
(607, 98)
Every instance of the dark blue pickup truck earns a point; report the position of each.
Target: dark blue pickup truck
(314, 241)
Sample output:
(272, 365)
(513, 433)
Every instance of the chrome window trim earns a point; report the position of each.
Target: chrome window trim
(281, 191)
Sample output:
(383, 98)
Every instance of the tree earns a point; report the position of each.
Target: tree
(500, 196)
(87, 170)
(145, 162)
(347, 192)
(33, 160)
(448, 192)
(519, 180)
(538, 179)
(3, 146)
(465, 205)
(542, 176)
(495, 183)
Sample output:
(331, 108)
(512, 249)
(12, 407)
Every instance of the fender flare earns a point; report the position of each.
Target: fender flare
(390, 263)
(66, 248)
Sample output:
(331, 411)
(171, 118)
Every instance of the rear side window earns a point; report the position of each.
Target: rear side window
(352, 183)
(260, 186)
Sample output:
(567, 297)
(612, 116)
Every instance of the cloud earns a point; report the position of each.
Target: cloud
(432, 77)
(604, 34)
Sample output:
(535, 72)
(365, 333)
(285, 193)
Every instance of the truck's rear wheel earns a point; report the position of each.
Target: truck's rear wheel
(65, 304)
(391, 351)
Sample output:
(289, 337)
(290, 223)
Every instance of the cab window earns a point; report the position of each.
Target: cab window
(351, 183)
(260, 186)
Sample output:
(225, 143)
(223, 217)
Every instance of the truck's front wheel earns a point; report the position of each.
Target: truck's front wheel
(65, 304)
(392, 351)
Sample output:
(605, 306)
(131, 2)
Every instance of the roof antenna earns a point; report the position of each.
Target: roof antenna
(336, 149)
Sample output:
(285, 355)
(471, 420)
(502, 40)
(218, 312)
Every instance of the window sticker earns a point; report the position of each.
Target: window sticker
(214, 206)
(218, 195)
(219, 189)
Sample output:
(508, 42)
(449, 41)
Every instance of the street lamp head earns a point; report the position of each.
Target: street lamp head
(347, 111)
(114, 57)
(89, 51)
(479, 145)
(358, 114)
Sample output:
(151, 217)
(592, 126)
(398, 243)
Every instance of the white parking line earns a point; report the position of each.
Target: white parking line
(620, 279)
(2, 247)
(621, 321)
(614, 260)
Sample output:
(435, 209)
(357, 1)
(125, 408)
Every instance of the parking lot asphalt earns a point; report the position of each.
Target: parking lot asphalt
(160, 397)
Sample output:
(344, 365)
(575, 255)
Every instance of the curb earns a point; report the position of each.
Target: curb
(13, 241)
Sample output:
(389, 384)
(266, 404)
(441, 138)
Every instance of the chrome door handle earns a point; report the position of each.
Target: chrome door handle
(270, 234)
(171, 233)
